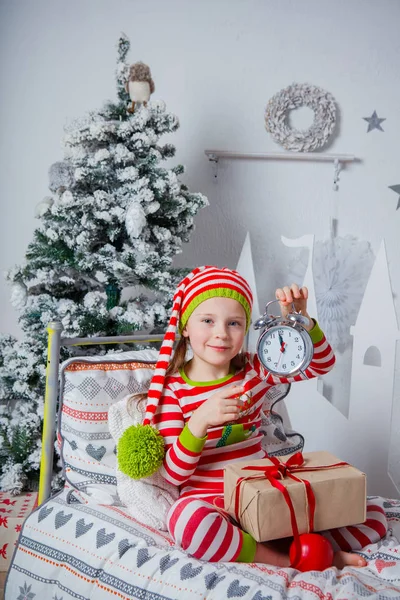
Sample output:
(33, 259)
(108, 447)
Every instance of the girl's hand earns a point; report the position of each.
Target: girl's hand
(294, 295)
(220, 408)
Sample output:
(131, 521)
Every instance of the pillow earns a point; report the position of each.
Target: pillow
(148, 499)
(88, 387)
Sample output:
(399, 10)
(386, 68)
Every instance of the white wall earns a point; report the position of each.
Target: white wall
(215, 63)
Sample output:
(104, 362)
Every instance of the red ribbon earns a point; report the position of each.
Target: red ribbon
(275, 473)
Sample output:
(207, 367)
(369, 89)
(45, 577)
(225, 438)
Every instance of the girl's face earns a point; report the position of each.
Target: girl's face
(216, 330)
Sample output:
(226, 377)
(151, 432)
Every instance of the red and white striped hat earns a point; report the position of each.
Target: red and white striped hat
(199, 285)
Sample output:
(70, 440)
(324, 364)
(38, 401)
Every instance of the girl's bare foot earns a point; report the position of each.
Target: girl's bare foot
(343, 559)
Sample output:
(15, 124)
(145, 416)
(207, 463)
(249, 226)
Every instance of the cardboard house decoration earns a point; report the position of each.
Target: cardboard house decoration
(363, 438)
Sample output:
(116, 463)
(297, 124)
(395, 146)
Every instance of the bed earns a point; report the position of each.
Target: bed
(82, 543)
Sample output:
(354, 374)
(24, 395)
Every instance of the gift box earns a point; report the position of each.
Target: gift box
(13, 512)
(323, 491)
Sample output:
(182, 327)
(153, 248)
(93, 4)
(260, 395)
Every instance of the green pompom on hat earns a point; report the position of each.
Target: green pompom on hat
(140, 451)
(141, 447)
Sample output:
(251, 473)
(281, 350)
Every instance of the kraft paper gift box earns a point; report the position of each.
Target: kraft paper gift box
(13, 512)
(261, 509)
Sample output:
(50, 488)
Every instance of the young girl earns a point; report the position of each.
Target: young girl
(208, 411)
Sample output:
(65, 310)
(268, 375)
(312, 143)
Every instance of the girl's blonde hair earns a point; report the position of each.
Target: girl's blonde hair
(177, 363)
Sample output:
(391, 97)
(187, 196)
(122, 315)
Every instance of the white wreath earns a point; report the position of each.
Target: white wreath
(294, 96)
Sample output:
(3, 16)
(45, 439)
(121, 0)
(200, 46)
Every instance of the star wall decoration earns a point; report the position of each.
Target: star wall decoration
(374, 122)
(396, 188)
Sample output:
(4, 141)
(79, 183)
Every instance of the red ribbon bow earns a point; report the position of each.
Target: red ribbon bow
(275, 473)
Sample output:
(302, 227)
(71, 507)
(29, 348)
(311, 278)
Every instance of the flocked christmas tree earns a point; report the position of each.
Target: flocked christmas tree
(115, 219)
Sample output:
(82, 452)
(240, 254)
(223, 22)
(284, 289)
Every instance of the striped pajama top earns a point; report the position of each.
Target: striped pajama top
(196, 465)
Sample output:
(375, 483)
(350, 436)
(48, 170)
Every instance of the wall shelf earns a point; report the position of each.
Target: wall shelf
(310, 156)
(336, 159)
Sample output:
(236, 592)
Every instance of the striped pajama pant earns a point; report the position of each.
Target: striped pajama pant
(201, 527)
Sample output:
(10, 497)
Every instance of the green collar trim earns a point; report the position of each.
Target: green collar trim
(204, 383)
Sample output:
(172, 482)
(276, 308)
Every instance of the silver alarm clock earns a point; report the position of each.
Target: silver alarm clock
(284, 347)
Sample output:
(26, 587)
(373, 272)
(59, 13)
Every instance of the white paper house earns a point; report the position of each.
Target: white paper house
(363, 438)
(372, 378)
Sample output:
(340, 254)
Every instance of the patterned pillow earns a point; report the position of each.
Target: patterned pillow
(89, 386)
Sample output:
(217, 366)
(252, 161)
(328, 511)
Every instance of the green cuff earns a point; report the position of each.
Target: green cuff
(190, 441)
(248, 550)
(316, 333)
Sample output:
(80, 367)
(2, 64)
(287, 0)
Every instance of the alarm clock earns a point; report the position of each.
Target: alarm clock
(284, 347)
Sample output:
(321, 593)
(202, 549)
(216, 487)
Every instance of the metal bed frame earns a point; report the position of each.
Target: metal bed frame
(55, 342)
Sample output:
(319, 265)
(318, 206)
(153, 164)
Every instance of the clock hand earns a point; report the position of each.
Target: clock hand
(279, 360)
(282, 343)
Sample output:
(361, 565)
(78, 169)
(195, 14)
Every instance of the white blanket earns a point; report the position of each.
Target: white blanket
(71, 550)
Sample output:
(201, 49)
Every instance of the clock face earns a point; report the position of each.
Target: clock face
(283, 350)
